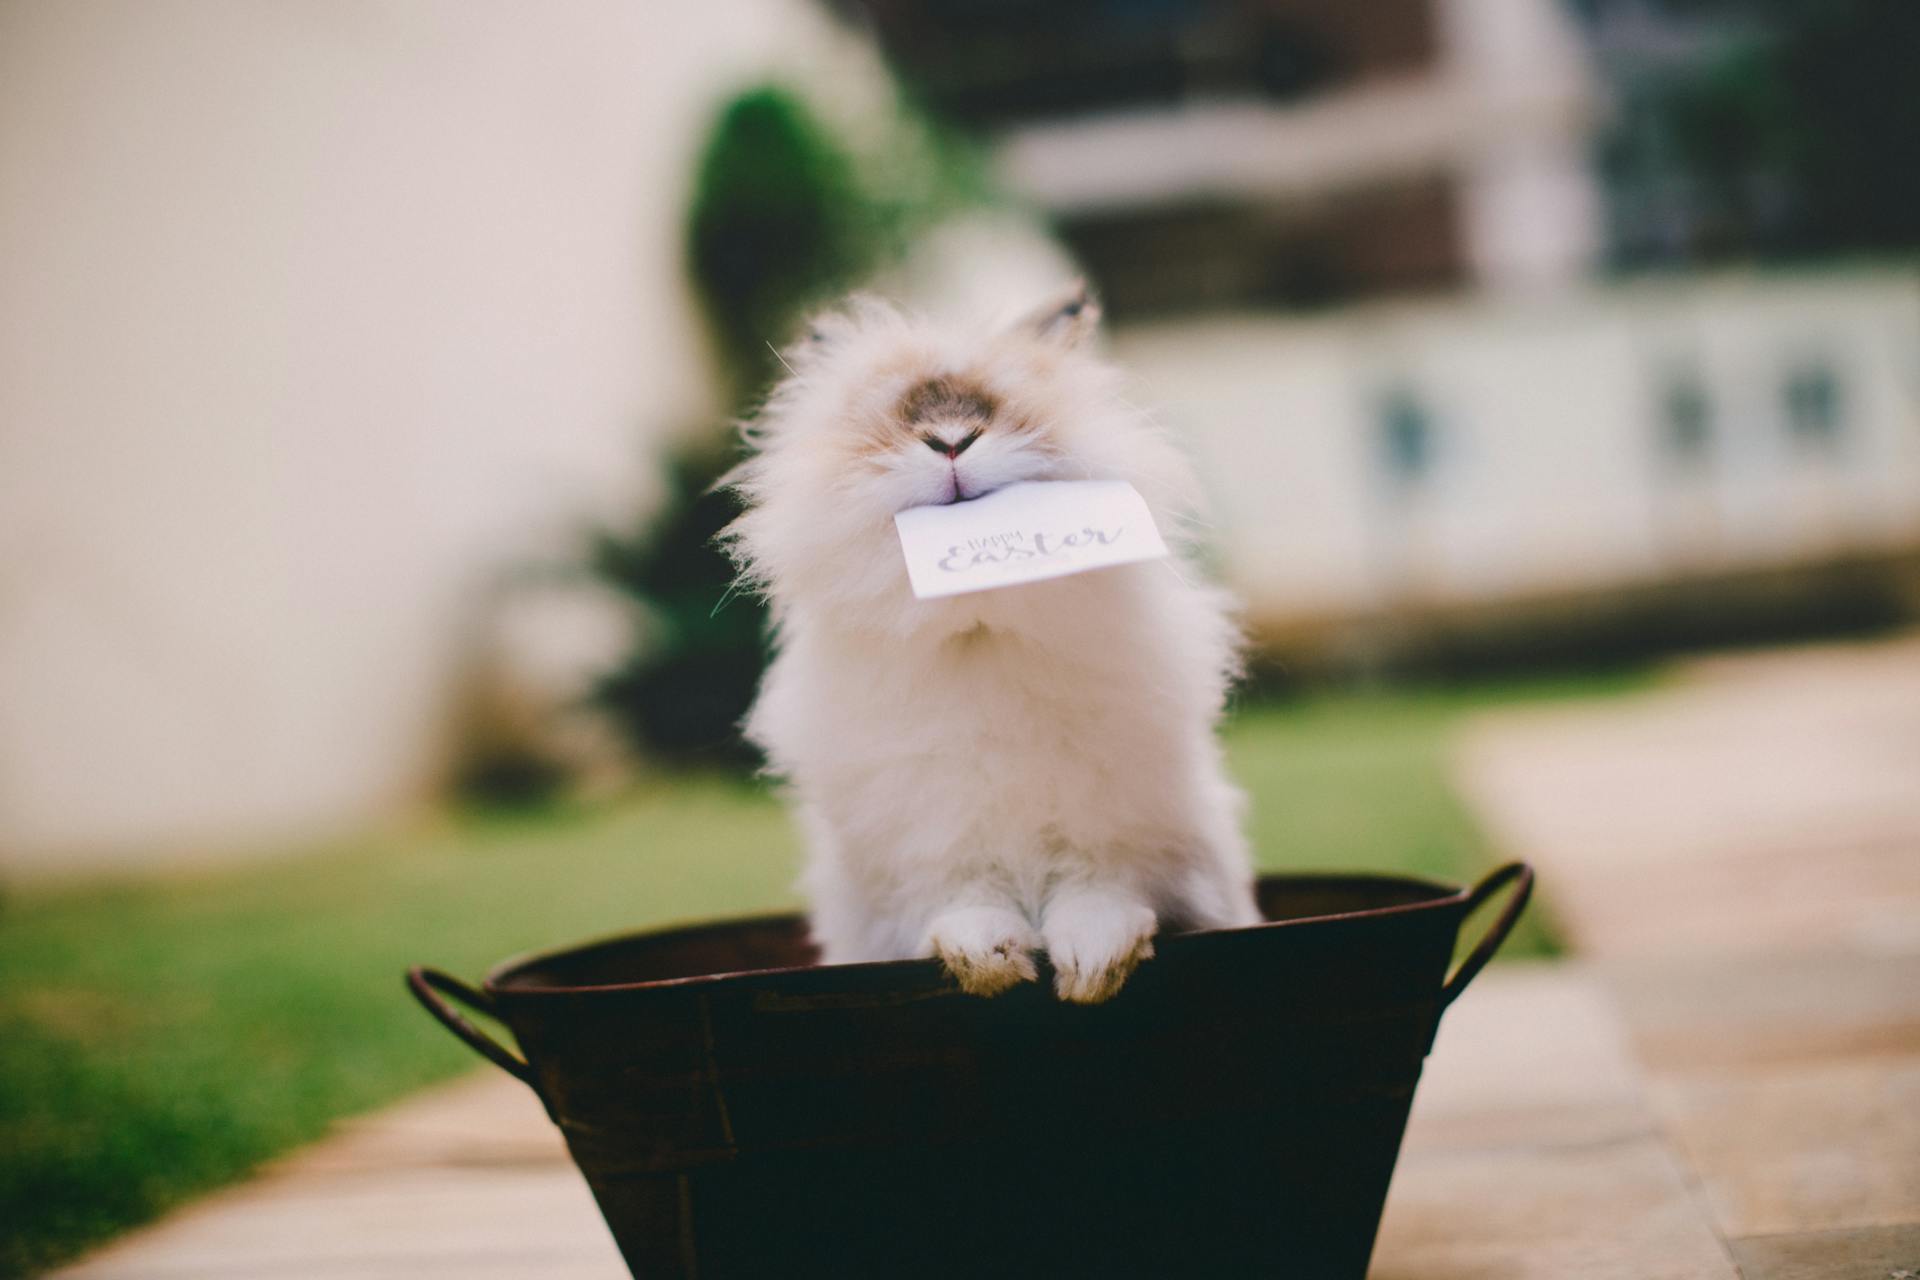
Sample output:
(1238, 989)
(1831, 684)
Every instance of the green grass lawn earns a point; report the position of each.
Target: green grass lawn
(160, 1038)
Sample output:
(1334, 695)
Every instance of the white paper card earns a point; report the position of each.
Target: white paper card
(1024, 533)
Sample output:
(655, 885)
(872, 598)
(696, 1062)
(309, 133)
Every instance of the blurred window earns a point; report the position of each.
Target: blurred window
(1814, 406)
(1686, 420)
(992, 63)
(1407, 438)
(1168, 259)
(1293, 61)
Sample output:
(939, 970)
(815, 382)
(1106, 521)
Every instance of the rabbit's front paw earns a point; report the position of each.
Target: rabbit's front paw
(1095, 938)
(987, 949)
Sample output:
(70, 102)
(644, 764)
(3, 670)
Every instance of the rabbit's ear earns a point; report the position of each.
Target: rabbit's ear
(823, 331)
(1067, 319)
(826, 332)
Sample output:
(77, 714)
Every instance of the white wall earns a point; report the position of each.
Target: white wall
(1550, 469)
(313, 317)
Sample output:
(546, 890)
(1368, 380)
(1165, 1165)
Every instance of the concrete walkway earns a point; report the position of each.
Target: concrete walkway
(1737, 856)
(1756, 804)
(1726, 1085)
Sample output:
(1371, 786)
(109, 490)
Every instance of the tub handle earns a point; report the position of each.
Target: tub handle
(427, 986)
(1522, 877)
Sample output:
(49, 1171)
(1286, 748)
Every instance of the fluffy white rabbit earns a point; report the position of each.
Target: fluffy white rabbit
(985, 775)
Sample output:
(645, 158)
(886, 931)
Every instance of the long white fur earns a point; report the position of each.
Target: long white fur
(984, 775)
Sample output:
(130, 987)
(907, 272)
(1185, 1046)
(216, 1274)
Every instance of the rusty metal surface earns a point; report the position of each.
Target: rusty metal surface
(1237, 1109)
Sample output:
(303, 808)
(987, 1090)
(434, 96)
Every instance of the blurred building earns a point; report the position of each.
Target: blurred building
(1524, 461)
(317, 323)
(1219, 153)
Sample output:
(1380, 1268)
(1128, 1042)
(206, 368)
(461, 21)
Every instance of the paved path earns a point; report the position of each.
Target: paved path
(467, 1182)
(1756, 804)
(1727, 1086)
(1738, 857)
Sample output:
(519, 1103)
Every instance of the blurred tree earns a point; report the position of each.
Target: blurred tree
(1760, 128)
(778, 220)
(784, 217)
(680, 693)
(1852, 70)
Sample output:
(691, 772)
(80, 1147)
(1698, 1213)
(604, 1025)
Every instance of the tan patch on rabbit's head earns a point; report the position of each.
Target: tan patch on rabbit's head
(946, 398)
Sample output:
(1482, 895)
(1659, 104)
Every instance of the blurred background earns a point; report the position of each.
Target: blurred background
(364, 368)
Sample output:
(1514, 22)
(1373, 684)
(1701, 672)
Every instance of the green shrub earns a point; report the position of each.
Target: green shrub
(680, 694)
(778, 221)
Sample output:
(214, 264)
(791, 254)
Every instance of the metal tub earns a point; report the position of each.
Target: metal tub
(1237, 1109)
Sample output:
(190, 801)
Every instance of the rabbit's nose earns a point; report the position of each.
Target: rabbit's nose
(951, 448)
